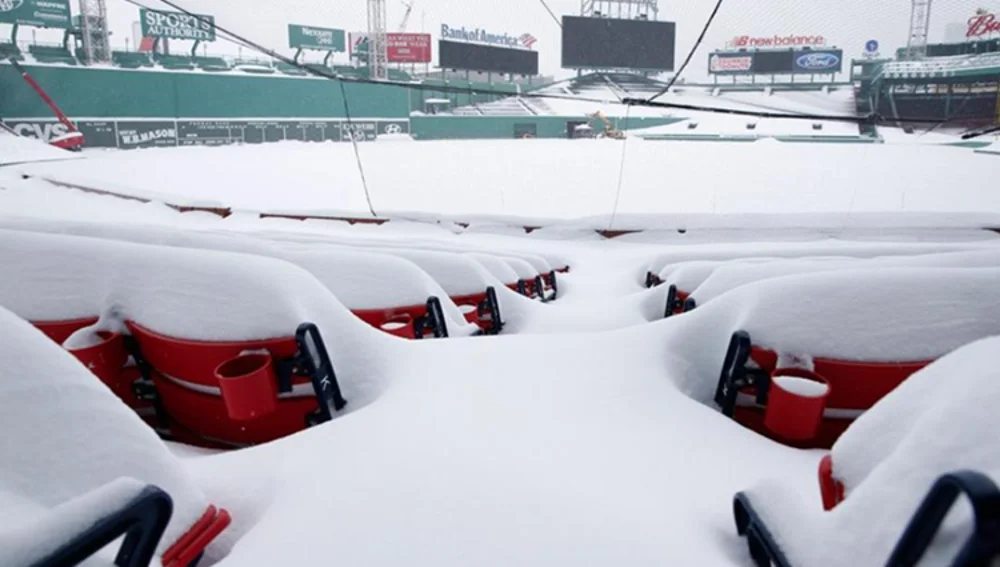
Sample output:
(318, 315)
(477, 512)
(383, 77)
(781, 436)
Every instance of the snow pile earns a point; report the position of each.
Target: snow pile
(731, 276)
(762, 250)
(186, 293)
(512, 450)
(500, 270)
(933, 424)
(889, 315)
(359, 280)
(66, 435)
(16, 149)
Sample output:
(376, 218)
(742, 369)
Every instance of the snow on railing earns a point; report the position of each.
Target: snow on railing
(943, 66)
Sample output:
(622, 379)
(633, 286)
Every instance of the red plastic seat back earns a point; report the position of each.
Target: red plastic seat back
(853, 385)
(183, 372)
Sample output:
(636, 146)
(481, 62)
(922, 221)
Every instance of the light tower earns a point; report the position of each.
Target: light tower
(920, 21)
(377, 57)
(621, 9)
(94, 31)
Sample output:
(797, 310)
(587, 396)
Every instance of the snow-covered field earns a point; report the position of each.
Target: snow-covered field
(536, 182)
(586, 432)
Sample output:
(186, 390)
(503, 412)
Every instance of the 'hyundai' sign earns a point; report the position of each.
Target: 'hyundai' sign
(818, 62)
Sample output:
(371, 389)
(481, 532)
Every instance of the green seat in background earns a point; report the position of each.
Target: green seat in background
(131, 59)
(217, 64)
(52, 54)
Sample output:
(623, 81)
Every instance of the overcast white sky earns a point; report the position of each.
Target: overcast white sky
(845, 23)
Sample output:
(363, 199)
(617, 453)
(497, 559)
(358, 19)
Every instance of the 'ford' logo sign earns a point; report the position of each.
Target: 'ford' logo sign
(818, 61)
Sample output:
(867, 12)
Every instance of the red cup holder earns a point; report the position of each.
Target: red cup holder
(104, 358)
(249, 386)
(795, 403)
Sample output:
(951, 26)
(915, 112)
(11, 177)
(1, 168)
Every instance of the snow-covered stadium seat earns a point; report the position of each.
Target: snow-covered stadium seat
(226, 349)
(72, 455)
(385, 291)
(733, 275)
(661, 265)
(812, 352)
(478, 294)
(928, 437)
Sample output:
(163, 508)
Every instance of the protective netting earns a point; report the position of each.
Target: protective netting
(449, 70)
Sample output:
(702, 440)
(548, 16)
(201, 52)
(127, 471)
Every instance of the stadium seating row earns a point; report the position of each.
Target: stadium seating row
(823, 367)
(199, 391)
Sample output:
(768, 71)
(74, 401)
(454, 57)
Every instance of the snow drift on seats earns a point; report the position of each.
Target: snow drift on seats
(933, 424)
(65, 435)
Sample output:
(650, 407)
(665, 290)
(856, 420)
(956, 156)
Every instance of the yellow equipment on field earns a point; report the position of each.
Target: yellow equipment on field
(609, 129)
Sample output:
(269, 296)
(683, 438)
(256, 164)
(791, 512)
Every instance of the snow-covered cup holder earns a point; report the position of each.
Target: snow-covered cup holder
(796, 400)
(249, 386)
(104, 357)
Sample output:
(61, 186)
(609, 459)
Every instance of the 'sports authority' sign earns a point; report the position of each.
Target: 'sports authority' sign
(177, 25)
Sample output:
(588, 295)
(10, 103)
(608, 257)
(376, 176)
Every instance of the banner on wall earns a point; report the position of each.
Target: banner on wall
(129, 134)
(38, 13)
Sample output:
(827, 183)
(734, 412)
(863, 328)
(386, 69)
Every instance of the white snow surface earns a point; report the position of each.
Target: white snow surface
(581, 435)
(418, 179)
(733, 275)
(68, 435)
(931, 425)
(16, 149)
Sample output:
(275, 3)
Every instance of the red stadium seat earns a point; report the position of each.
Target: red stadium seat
(853, 387)
(221, 393)
(409, 322)
(482, 309)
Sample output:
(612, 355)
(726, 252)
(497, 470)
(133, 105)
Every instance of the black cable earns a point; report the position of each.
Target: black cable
(621, 174)
(871, 118)
(984, 132)
(697, 44)
(551, 13)
(357, 151)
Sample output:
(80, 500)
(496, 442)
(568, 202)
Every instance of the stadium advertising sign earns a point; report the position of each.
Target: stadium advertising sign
(177, 25)
(730, 63)
(322, 39)
(131, 133)
(38, 13)
(818, 62)
(400, 47)
(792, 40)
(983, 24)
(777, 62)
(479, 35)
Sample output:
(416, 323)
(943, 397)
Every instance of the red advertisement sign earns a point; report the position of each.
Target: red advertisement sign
(983, 23)
(409, 48)
(776, 41)
(721, 64)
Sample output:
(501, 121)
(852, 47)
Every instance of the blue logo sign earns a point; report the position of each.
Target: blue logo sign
(818, 61)
(871, 46)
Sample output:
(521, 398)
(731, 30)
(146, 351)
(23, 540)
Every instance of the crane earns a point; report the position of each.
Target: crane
(406, 16)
